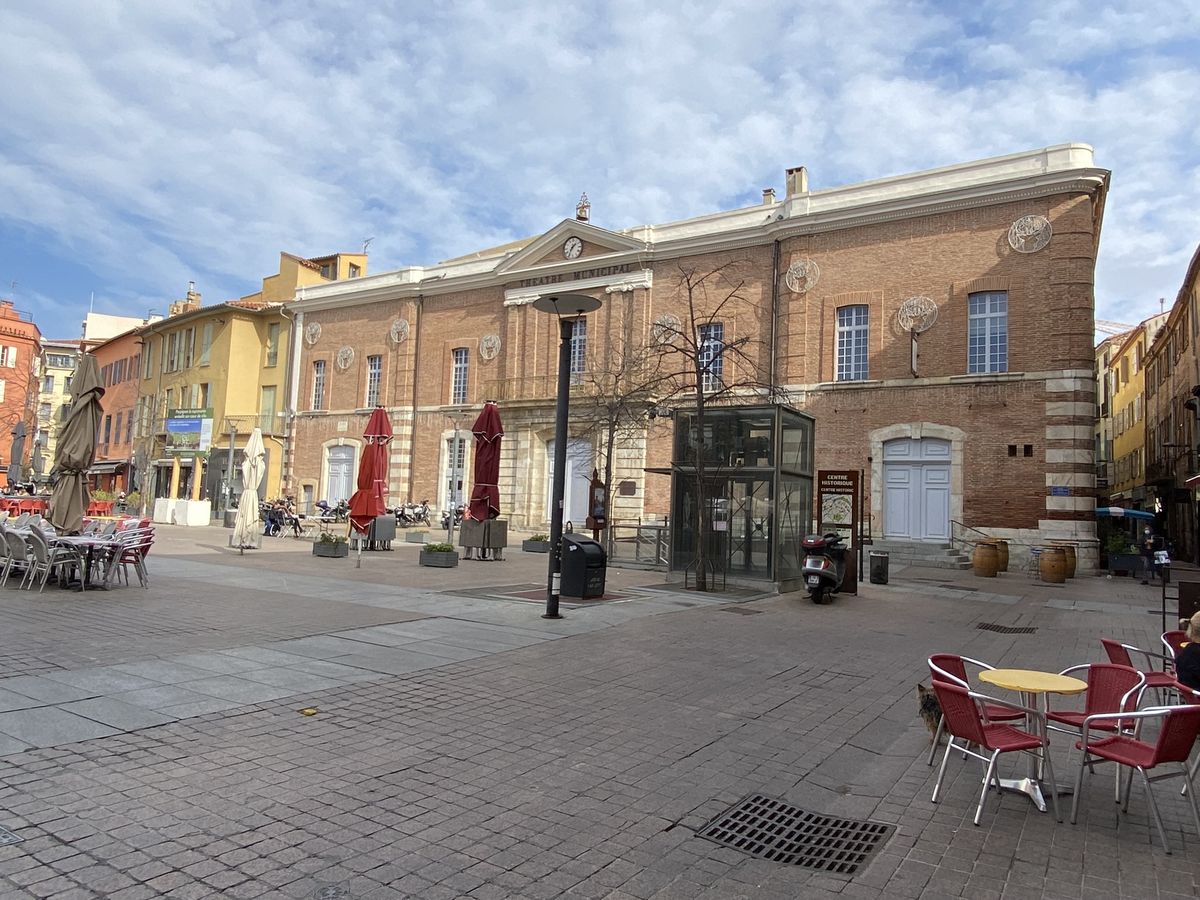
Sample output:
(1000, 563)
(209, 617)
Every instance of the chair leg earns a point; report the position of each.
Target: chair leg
(1050, 778)
(987, 783)
(937, 737)
(1191, 795)
(1083, 761)
(1154, 809)
(937, 785)
(1128, 789)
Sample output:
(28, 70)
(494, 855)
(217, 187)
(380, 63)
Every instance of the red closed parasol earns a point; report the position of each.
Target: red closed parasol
(368, 501)
(485, 495)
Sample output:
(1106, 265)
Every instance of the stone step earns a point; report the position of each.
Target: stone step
(937, 556)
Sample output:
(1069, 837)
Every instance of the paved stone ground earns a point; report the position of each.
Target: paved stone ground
(464, 747)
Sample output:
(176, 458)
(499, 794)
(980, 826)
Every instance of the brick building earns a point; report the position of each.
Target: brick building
(119, 361)
(938, 325)
(20, 344)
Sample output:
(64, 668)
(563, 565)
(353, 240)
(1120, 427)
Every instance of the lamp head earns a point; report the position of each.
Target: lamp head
(566, 304)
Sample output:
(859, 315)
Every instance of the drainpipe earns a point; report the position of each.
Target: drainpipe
(412, 422)
(771, 380)
(291, 390)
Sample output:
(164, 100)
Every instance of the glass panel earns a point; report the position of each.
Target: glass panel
(733, 438)
(794, 513)
(749, 514)
(797, 449)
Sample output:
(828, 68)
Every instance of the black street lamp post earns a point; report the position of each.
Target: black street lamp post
(568, 308)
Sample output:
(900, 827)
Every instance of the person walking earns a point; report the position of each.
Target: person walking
(1150, 543)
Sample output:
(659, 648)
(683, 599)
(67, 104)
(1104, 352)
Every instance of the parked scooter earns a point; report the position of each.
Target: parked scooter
(459, 511)
(412, 514)
(824, 565)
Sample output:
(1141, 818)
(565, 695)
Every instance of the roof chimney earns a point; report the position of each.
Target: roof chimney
(797, 181)
(768, 196)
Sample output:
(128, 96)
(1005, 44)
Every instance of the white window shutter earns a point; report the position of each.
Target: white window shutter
(2, 384)
(12, 357)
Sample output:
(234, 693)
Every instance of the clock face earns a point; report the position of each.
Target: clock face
(572, 248)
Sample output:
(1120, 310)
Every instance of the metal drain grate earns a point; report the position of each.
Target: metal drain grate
(740, 611)
(7, 837)
(1007, 629)
(774, 830)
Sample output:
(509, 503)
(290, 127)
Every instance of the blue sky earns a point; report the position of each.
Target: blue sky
(145, 144)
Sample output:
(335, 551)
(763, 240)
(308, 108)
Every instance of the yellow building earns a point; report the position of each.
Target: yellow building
(1128, 397)
(209, 376)
(54, 373)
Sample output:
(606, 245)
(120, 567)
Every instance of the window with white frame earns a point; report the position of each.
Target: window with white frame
(374, 378)
(578, 346)
(206, 339)
(8, 357)
(272, 344)
(710, 354)
(318, 393)
(987, 332)
(853, 333)
(458, 380)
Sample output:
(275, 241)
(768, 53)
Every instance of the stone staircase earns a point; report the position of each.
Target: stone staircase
(917, 553)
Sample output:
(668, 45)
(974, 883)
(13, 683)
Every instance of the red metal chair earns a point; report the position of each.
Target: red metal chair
(1174, 641)
(1111, 688)
(1176, 736)
(951, 668)
(1119, 654)
(963, 711)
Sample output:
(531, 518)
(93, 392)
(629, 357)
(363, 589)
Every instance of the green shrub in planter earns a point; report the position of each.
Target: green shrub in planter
(441, 556)
(538, 543)
(329, 545)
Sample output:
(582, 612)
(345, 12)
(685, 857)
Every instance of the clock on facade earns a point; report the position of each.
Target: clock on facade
(572, 247)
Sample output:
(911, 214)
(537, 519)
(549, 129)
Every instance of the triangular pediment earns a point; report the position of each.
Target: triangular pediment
(553, 247)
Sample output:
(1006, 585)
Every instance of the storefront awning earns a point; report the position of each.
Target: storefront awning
(1119, 512)
(107, 467)
(1193, 482)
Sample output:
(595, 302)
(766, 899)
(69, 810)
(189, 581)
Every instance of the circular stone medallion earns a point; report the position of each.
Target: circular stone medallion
(345, 357)
(1029, 234)
(802, 276)
(312, 332)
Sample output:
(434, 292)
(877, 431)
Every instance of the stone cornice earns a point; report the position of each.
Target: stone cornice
(612, 284)
(1062, 169)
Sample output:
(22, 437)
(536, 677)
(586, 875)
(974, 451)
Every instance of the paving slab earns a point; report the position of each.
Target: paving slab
(47, 690)
(116, 714)
(49, 727)
(161, 697)
(229, 687)
(101, 681)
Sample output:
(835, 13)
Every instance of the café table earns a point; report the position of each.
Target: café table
(1034, 687)
(84, 547)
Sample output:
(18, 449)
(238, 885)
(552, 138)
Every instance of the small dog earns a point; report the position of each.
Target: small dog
(930, 709)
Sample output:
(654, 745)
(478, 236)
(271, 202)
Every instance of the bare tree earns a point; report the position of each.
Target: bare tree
(708, 368)
(614, 395)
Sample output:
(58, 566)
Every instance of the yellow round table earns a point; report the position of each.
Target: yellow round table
(1031, 681)
(1034, 686)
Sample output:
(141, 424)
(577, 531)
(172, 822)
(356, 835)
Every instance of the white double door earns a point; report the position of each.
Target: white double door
(579, 479)
(916, 498)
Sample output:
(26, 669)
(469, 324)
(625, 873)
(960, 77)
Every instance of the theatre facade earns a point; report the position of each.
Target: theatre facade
(937, 325)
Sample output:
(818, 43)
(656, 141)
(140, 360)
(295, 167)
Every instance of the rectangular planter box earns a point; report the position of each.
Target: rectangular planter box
(535, 546)
(1127, 563)
(336, 551)
(441, 560)
(415, 537)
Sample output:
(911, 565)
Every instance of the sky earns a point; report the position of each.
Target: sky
(146, 144)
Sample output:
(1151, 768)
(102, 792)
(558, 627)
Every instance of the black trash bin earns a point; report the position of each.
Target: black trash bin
(879, 567)
(583, 565)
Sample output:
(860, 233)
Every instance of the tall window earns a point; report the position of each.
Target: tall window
(8, 357)
(374, 377)
(107, 431)
(149, 353)
(987, 332)
(852, 341)
(712, 363)
(458, 382)
(318, 395)
(169, 353)
(273, 344)
(129, 429)
(266, 409)
(206, 336)
(456, 458)
(579, 346)
(117, 428)
(48, 385)
(188, 347)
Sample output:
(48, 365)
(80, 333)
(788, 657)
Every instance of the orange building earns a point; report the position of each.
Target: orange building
(118, 359)
(20, 344)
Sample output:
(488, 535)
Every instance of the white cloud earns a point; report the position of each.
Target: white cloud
(201, 139)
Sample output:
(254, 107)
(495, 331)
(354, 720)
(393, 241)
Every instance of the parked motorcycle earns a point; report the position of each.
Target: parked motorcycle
(412, 514)
(339, 513)
(824, 565)
(459, 512)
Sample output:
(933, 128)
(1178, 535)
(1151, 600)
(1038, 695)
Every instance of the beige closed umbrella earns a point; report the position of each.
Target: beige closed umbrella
(76, 448)
(254, 467)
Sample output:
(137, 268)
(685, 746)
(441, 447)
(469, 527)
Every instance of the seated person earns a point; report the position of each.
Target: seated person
(1187, 660)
